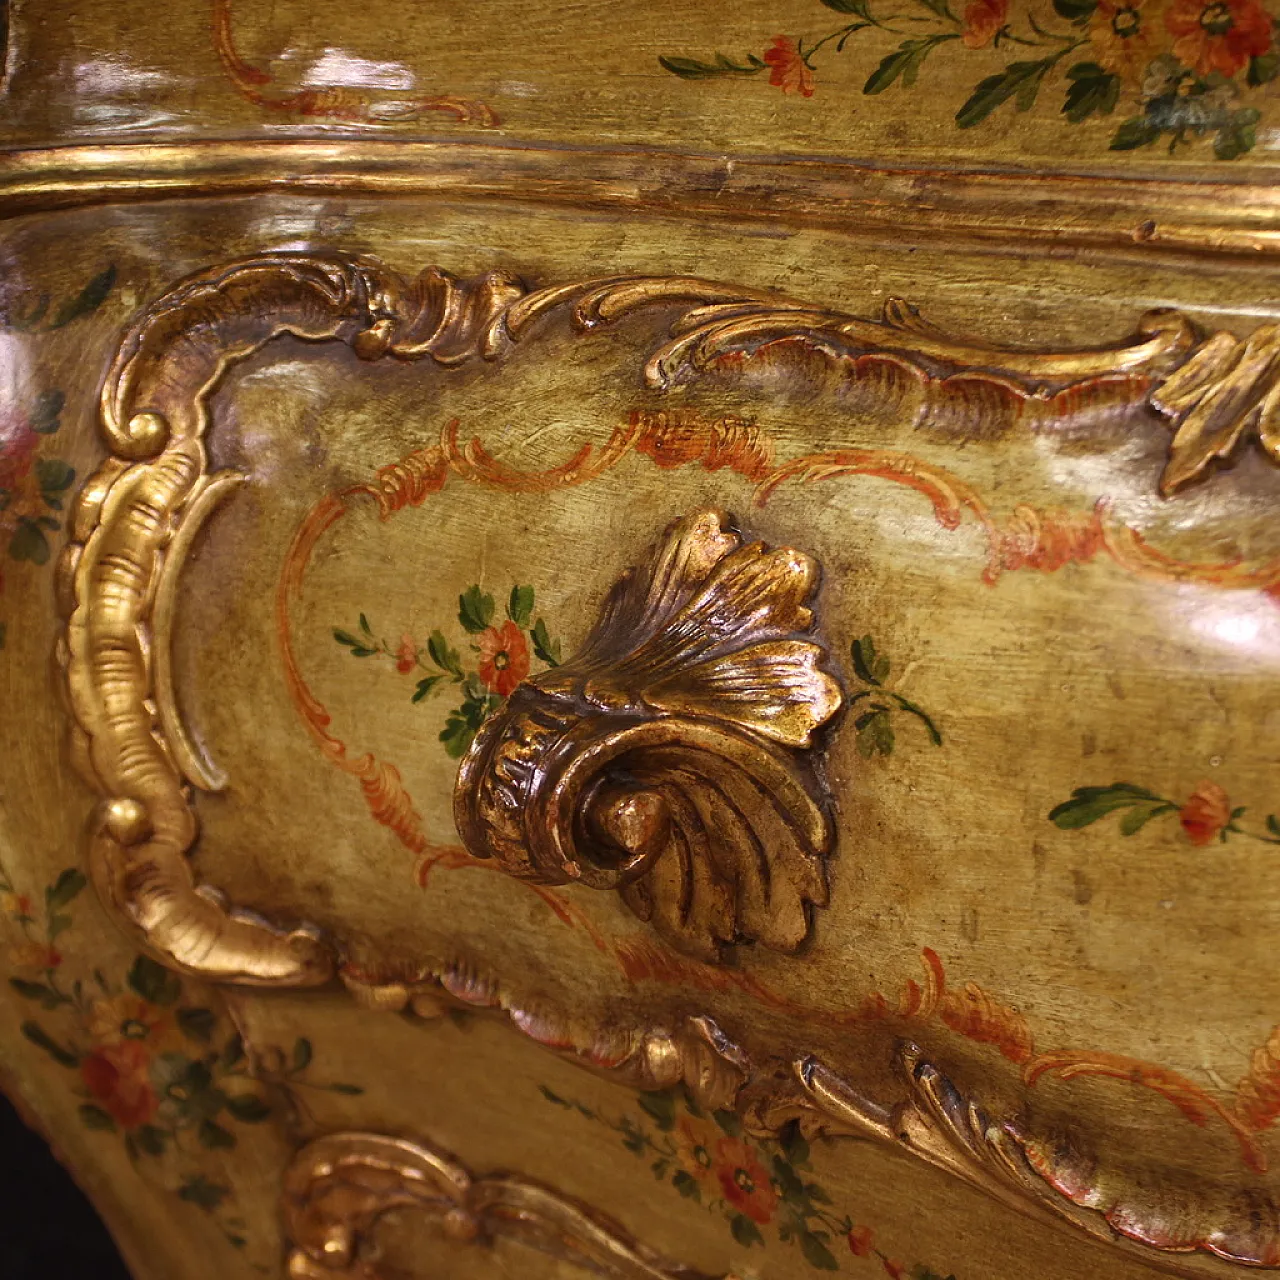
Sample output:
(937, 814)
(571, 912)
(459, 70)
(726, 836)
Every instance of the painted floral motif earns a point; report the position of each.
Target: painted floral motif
(33, 485)
(501, 655)
(147, 1057)
(1186, 68)
(1205, 815)
(875, 706)
(707, 1158)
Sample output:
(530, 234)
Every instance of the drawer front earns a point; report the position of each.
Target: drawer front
(820, 687)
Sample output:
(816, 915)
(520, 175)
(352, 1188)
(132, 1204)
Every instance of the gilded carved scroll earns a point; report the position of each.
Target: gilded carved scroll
(338, 1187)
(604, 771)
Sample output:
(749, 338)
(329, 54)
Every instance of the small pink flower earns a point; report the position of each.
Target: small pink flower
(1206, 811)
(406, 655)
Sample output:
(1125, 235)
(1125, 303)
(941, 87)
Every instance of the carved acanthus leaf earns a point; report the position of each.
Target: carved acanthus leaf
(665, 760)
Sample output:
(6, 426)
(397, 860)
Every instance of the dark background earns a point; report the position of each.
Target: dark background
(48, 1231)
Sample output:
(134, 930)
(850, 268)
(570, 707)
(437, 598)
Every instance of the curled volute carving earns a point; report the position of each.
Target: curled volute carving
(671, 758)
(339, 1187)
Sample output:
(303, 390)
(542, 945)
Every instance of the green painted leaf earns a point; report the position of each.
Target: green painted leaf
(859, 8)
(789, 1184)
(197, 1024)
(554, 1097)
(795, 1145)
(364, 626)
(53, 476)
(729, 1122)
(903, 63)
(302, 1054)
(42, 1040)
(923, 716)
(65, 889)
(248, 1107)
(154, 982)
(693, 69)
(1077, 11)
(1263, 69)
(660, 1107)
(1088, 804)
(200, 1191)
(46, 411)
(1019, 81)
(475, 610)
(29, 543)
(1136, 818)
(95, 1118)
(232, 1052)
(443, 656)
(151, 1140)
(350, 1090)
(424, 686)
(544, 647)
(875, 732)
(357, 646)
(865, 661)
(1092, 89)
(1138, 131)
(88, 300)
(816, 1253)
(36, 991)
(686, 1185)
(214, 1136)
(1239, 136)
(520, 606)
(1273, 824)
(744, 1231)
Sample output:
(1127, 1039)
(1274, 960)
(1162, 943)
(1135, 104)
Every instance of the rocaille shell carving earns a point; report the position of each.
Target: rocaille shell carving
(670, 758)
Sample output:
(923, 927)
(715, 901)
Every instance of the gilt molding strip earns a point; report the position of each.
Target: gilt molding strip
(133, 521)
(338, 1187)
(1135, 217)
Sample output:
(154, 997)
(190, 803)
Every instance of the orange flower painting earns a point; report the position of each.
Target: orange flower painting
(1205, 813)
(1184, 69)
(983, 19)
(1218, 36)
(118, 1077)
(502, 654)
(752, 1183)
(504, 658)
(787, 67)
(744, 1180)
(1206, 816)
(695, 1140)
(1125, 35)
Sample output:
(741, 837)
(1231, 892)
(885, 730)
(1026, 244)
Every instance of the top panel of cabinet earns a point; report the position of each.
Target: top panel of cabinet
(1142, 88)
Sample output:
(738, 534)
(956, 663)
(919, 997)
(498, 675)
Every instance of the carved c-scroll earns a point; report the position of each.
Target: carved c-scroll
(338, 1187)
(667, 759)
